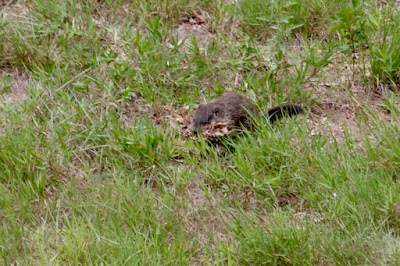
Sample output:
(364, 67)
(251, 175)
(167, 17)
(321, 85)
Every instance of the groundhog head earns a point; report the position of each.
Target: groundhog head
(206, 115)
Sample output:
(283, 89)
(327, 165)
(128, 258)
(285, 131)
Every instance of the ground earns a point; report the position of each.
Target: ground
(98, 163)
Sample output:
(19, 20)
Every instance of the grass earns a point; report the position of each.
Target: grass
(94, 167)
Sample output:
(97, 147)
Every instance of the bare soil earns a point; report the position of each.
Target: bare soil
(18, 91)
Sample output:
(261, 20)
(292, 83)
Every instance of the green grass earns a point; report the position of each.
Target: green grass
(95, 170)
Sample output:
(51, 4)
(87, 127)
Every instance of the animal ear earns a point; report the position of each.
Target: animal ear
(216, 111)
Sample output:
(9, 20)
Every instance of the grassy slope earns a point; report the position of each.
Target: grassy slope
(87, 178)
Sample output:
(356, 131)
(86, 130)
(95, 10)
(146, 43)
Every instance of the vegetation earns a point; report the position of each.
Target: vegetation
(95, 98)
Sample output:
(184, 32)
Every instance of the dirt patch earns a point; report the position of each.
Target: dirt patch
(14, 85)
(341, 102)
(195, 27)
(13, 8)
(334, 116)
(175, 118)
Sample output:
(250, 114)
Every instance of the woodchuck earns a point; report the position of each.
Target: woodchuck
(235, 111)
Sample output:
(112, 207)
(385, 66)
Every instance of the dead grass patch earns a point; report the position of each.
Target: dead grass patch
(18, 91)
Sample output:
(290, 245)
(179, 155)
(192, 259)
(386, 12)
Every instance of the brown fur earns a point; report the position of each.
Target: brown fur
(234, 111)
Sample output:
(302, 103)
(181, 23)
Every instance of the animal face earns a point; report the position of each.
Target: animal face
(204, 116)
